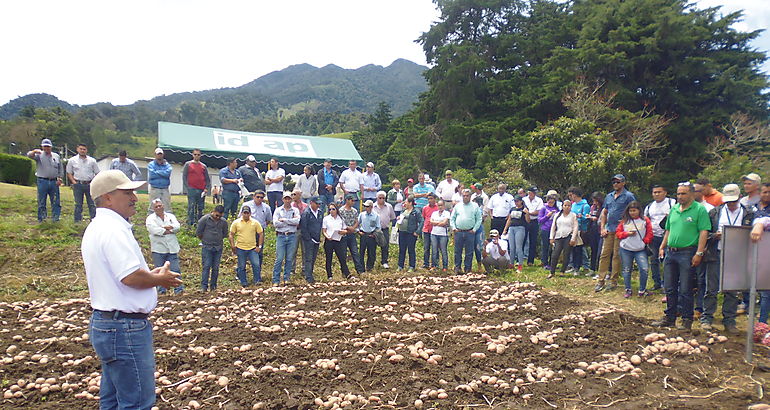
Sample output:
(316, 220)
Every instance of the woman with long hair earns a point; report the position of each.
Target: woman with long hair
(408, 225)
(563, 236)
(635, 233)
(333, 228)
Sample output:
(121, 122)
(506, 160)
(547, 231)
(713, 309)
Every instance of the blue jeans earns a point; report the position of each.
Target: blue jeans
(124, 347)
(309, 255)
(230, 201)
(426, 242)
(48, 189)
(545, 248)
(406, 243)
(274, 200)
(285, 252)
(679, 278)
(479, 244)
(628, 258)
(764, 305)
(80, 190)
(730, 303)
(655, 262)
(439, 244)
(195, 204)
(464, 242)
(326, 199)
(516, 235)
(368, 249)
(532, 231)
(256, 271)
(351, 244)
(158, 259)
(210, 258)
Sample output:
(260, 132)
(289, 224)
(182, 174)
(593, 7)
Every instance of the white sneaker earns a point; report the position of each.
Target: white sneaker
(385, 266)
(570, 270)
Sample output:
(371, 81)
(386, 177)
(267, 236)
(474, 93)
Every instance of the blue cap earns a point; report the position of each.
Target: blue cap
(619, 177)
(314, 199)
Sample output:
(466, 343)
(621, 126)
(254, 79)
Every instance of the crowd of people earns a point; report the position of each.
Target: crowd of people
(673, 243)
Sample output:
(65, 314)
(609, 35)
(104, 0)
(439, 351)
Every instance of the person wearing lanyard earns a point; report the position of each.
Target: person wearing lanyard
(327, 184)
(368, 222)
(730, 213)
(122, 291)
(286, 220)
(465, 220)
(81, 170)
(231, 191)
(48, 173)
(687, 228)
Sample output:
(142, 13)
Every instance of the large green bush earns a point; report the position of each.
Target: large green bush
(16, 169)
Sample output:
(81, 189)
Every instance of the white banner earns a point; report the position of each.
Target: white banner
(264, 144)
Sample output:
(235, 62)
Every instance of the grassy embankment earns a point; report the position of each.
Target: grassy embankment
(43, 260)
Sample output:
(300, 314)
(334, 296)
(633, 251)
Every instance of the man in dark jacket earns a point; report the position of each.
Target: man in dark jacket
(328, 179)
(252, 179)
(730, 213)
(310, 234)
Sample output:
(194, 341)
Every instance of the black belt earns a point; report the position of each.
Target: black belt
(48, 179)
(465, 230)
(117, 314)
(285, 233)
(689, 248)
(83, 182)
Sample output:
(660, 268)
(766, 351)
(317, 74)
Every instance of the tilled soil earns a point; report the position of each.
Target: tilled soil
(402, 342)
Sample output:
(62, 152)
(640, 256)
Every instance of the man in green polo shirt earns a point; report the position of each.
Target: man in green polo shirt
(687, 228)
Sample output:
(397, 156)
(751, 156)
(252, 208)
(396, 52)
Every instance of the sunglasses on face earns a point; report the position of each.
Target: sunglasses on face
(259, 197)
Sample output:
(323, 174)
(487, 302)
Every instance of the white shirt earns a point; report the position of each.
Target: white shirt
(159, 242)
(446, 189)
(352, 180)
(492, 250)
(500, 205)
(656, 211)
(533, 205)
(332, 226)
(564, 226)
(748, 202)
(275, 173)
(440, 216)
(729, 218)
(457, 198)
(110, 253)
(707, 205)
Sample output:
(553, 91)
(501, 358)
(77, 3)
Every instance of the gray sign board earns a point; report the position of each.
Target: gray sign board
(738, 259)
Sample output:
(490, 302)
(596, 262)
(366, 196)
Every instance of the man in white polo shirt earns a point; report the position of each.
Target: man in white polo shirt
(122, 290)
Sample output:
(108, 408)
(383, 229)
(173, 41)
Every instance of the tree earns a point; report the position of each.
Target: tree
(570, 151)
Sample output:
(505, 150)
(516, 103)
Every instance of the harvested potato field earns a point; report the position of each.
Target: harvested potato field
(402, 342)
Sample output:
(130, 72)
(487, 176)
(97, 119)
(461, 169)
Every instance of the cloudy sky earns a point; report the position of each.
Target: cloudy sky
(122, 51)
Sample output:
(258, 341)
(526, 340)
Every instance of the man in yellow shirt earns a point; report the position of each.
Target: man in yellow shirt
(243, 241)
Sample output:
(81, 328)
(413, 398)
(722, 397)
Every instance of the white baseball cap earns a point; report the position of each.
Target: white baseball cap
(731, 192)
(251, 158)
(158, 150)
(108, 181)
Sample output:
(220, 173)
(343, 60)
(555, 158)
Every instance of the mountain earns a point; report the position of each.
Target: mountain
(296, 88)
(15, 106)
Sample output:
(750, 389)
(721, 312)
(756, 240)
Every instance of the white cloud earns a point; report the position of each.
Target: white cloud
(86, 51)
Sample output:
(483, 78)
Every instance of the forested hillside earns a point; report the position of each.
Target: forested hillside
(299, 99)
